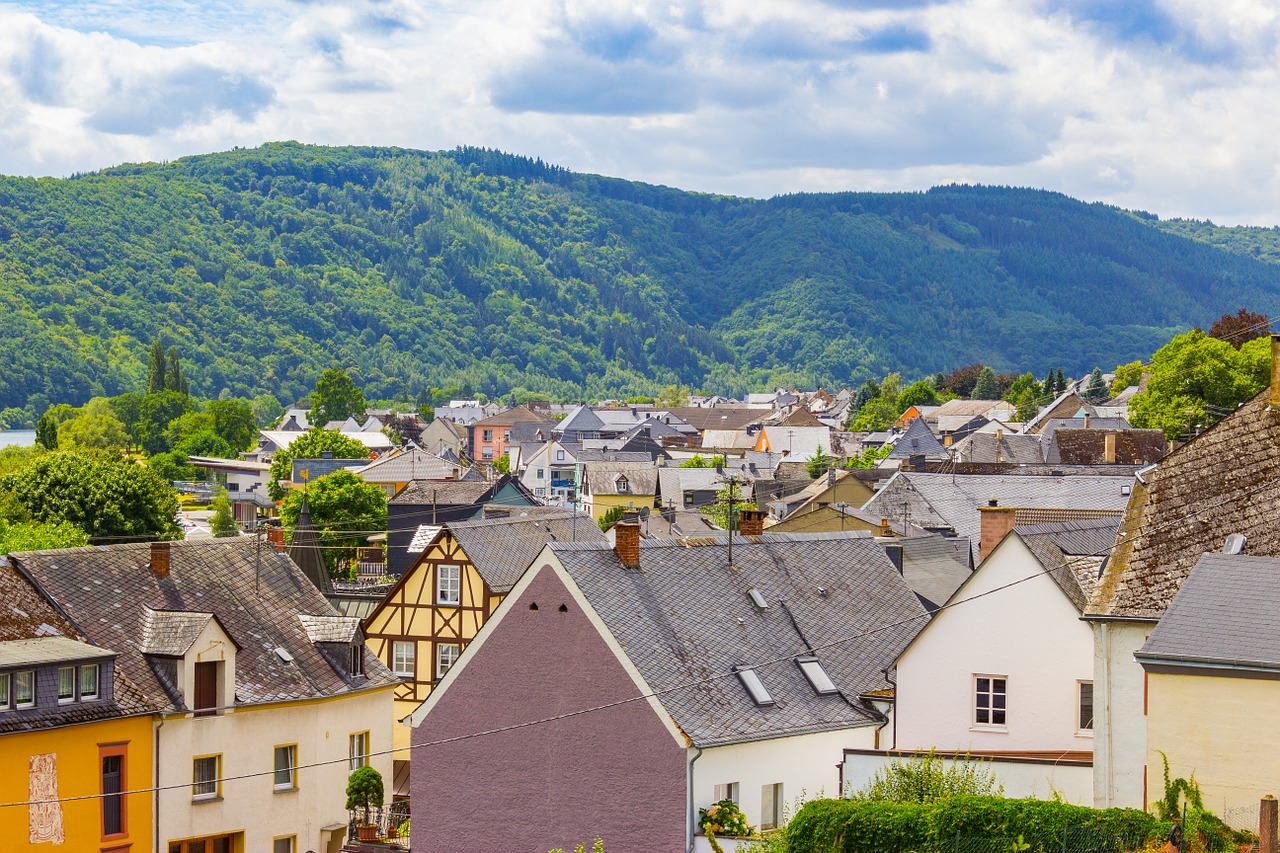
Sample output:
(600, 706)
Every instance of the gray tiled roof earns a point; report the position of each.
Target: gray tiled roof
(329, 629)
(255, 593)
(581, 419)
(170, 632)
(42, 650)
(442, 492)
(501, 549)
(918, 440)
(1226, 615)
(642, 477)
(934, 566)
(1008, 447)
(407, 466)
(1072, 552)
(684, 617)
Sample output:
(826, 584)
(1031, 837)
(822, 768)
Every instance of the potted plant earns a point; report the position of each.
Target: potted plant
(364, 790)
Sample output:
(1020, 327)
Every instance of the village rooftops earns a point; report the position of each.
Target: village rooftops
(689, 623)
(1072, 552)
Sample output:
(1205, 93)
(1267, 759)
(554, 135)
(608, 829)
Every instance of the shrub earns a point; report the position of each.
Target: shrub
(364, 790)
(724, 818)
(926, 777)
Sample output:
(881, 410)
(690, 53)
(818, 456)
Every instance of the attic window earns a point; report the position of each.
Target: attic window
(818, 678)
(754, 686)
(757, 599)
(623, 485)
(357, 658)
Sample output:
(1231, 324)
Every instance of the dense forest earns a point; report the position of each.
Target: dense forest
(497, 273)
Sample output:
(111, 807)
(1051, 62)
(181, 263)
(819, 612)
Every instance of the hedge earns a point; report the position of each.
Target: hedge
(856, 826)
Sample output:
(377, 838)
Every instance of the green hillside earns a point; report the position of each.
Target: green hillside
(476, 268)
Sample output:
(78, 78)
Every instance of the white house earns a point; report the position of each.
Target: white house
(1005, 669)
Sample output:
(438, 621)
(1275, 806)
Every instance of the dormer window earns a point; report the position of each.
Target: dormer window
(623, 486)
(66, 684)
(24, 689)
(357, 658)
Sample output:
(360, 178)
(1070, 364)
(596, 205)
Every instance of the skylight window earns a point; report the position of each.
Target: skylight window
(757, 599)
(754, 685)
(818, 678)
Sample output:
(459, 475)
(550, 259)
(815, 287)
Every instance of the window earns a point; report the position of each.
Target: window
(114, 818)
(446, 655)
(66, 684)
(6, 691)
(357, 657)
(623, 486)
(88, 682)
(403, 658)
(1084, 718)
(542, 474)
(487, 453)
(754, 685)
(209, 844)
(817, 676)
(206, 692)
(989, 700)
(506, 436)
(288, 844)
(771, 806)
(559, 455)
(24, 689)
(486, 435)
(286, 768)
(448, 584)
(727, 791)
(205, 773)
(359, 750)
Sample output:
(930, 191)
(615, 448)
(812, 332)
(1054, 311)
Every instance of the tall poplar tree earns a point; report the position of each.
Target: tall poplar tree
(156, 368)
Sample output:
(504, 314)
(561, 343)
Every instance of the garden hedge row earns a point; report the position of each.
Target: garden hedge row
(856, 826)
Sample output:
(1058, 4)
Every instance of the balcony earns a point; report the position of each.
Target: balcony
(386, 829)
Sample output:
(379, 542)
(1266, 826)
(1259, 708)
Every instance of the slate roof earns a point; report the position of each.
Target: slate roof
(968, 408)
(442, 492)
(683, 617)
(508, 417)
(934, 566)
(1226, 480)
(917, 440)
(254, 592)
(330, 629)
(1052, 425)
(940, 501)
(422, 537)
(170, 633)
(1072, 552)
(38, 651)
(591, 454)
(501, 549)
(642, 477)
(1007, 447)
(304, 550)
(718, 417)
(404, 467)
(1226, 615)
(581, 419)
(1088, 446)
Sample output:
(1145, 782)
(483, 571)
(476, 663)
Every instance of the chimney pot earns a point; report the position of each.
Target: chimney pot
(160, 559)
(1109, 448)
(626, 543)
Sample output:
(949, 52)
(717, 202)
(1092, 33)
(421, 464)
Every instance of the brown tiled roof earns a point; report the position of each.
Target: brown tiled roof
(442, 492)
(718, 417)
(1225, 481)
(511, 416)
(1088, 446)
(642, 477)
(255, 594)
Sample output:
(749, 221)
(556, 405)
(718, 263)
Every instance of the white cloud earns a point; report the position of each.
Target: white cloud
(1161, 105)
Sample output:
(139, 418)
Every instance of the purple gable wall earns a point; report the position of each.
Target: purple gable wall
(617, 774)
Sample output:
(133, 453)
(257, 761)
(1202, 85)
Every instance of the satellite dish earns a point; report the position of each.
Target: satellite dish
(644, 512)
(1235, 543)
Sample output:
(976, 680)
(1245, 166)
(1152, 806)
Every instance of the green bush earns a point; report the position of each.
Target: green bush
(724, 818)
(860, 826)
(926, 776)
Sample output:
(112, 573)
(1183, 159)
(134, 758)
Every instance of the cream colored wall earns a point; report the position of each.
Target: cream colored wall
(598, 505)
(211, 646)
(1119, 726)
(246, 740)
(1223, 731)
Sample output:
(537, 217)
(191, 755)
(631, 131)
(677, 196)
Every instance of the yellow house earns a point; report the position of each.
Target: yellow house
(75, 735)
(605, 485)
(463, 571)
(1212, 669)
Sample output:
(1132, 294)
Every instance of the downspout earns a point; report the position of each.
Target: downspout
(1108, 754)
(155, 796)
(692, 821)
(895, 706)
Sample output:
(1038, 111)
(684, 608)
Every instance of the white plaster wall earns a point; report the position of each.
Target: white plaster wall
(804, 764)
(1120, 724)
(1030, 633)
(1041, 780)
(246, 739)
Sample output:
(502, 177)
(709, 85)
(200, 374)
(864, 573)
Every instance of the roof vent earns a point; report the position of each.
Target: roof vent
(1235, 543)
(283, 654)
(757, 599)
(1126, 489)
(754, 685)
(818, 678)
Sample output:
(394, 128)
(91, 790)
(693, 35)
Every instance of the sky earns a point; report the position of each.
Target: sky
(1166, 106)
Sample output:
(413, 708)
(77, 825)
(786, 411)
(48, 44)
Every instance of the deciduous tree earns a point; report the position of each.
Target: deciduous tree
(336, 398)
(345, 511)
(310, 445)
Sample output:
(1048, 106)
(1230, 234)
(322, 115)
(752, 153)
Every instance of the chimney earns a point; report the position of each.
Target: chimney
(946, 440)
(751, 522)
(1109, 448)
(995, 522)
(885, 529)
(1086, 420)
(1275, 372)
(160, 559)
(626, 543)
(275, 535)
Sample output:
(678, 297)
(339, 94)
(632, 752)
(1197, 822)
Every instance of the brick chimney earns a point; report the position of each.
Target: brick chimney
(1109, 448)
(996, 521)
(275, 535)
(626, 543)
(160, 559)
(1275, 372)
(751, 522)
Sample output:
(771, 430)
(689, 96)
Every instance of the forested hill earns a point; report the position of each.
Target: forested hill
(476, 268)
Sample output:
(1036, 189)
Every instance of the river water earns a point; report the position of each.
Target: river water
(20, 437)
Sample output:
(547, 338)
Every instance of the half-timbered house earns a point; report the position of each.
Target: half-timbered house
(463, 572)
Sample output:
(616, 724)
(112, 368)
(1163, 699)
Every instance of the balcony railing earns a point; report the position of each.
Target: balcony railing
(387, 828)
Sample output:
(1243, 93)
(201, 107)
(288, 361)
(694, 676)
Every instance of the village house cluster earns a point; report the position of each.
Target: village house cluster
(1069, 596)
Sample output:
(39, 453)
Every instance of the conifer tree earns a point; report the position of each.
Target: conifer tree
(174, 379)
(156, 368)
(986, 388)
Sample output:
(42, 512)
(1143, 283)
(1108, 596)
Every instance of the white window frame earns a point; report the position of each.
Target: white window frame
(357, 750)
(291, 752)
(208, 788)
(986, 700)
(404, 658)
(559, 455)
(66, 674)
(726, 791)
(771, 806)
(85, 669)
(451, 651)
(1081, 729)
(17, 680)
(6, 691)
(452, 588)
